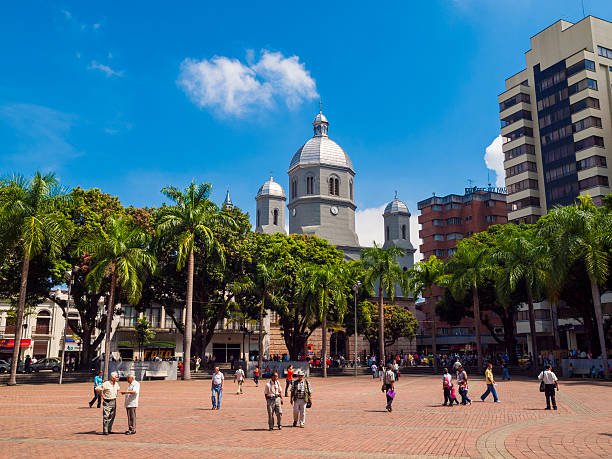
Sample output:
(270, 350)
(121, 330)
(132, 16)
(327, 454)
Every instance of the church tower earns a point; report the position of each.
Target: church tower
(397, 232)
(270, 212)
(322, 191)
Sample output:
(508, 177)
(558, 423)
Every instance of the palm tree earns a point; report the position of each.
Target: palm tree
(582, 232)
(381, 266)
(190, 222)
(467, 270)
(31, 222)
(421, 279)
(523, 259)
(327, 286)
(267, 279)
(123, 255)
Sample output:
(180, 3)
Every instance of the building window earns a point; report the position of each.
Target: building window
(387, 233)
(580, 66)
(520, 132)
(275, 214)
(592, 182)
(556, 135)
(593, 141)
(604, 52)
(438, 222)
(258, 222)
(589, 102)
(560, 152)
(129, 317)
(525, 149)
(436, 208)
(309, 185)
(468, 218)
(516, 116)
(154, 317)
(558, 115)
(43, 323)
(520, 97)
(561, 192)
(541, 314)
(453, 236)
(178, 316)
(334, 186)
(552, 99)
(551, 81)
(593, 161)
(530, 201)
(403, 231)
(438, 237)
(351, 189)
(490, 218)
(527, 184)
(453, 206)
(559, 172)
(582, 85)
(591, 121)
(453, 221)
(452, 251)
(294, 191)
(515, 170)
(440, 253)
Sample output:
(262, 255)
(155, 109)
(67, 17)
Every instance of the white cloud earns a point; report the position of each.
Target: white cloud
(234, 88)
(109, 72)
(494, 159)
(42, 135)
(369, 227)
(96, 26)
(67, 14)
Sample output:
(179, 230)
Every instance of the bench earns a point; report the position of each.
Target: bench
(156, 374)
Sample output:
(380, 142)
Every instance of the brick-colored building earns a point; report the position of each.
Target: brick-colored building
(445, 220)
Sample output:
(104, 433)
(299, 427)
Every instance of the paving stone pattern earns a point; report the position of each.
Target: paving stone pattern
(348, 419)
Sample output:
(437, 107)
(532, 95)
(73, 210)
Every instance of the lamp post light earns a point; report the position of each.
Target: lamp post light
(70, 276)
(355, 290)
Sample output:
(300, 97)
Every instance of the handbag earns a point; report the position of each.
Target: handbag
(309, 404)
(391, 393)
(542, 386)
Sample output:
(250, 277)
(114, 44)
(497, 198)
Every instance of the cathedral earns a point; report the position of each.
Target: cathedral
(322, 199)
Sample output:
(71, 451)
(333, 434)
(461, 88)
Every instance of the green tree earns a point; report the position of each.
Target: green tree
(467, 271)
(582, 232)
(523, 261)
(122, 255)
(421, 279)
(399, 323)
(381, 267)
(144, 334)
(31, 223)
(326, 286)
(189, 223)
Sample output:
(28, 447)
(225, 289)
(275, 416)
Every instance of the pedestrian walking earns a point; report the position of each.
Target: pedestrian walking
(28, 364)
(446, 387)
(97, 395)
(388, 387)
(301, 398)
(289, 380)
(453, 395)
(131, 403)
(239, 378)
(490, 384)
(217, 388)
(462, 382)
(256, 376)
(549, 380)
(198, 362)
(374, 370)
(274, 400)
(109, 390)
(505, 372)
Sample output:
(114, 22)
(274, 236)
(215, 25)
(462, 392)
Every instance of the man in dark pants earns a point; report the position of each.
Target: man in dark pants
(109, 390)
(550, 384)
(97, 395)
(388, 385)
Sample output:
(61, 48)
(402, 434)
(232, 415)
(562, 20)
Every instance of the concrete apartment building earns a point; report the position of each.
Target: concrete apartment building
(556, 119)
(444, 221)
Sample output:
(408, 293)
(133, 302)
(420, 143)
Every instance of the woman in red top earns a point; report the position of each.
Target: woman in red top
(256, 376)
(289, 381)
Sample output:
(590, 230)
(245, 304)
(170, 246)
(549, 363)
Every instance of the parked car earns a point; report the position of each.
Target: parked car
(4, 366)
(52, 364)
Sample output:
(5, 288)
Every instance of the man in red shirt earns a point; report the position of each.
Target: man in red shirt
(289, 381)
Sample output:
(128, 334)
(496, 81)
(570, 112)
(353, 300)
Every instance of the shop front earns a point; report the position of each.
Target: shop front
(8, 344)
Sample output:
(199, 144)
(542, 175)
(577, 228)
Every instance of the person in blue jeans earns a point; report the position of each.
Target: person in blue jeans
(505, 372)
(490, 384)
(217, 388)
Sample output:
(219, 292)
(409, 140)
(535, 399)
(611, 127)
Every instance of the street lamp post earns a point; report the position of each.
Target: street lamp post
(355, 290)
(70, 275)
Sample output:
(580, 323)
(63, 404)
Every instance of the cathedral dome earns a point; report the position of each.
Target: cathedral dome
(271, 188)
(320, 149)
(396, 207)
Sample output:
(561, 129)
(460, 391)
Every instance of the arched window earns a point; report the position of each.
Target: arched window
(43, 322)
(309, 185)
(403, 231)
(294, 186)
(387, 234)
(258, 222)
(275, 216)
(334, 186)
(351, 189)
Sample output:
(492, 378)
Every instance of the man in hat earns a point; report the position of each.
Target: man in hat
(301, 397)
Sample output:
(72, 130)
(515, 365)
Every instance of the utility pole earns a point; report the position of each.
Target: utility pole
(70, 275)
(355, 290)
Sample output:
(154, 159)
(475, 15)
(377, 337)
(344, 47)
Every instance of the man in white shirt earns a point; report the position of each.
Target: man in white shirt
(109, 390)
(274, 400)
(388, 387)
(239, 378)
(131, 403)
(550, 384)
(217, 388)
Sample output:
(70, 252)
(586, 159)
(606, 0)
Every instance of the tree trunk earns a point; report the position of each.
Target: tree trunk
(433, 330)
(532, 331)
(510, 337)
(477, 326)
(600, 331)
(324, 345)
(19, 322)
(381, 325)
(188, 319)
(261, 311)
(109, 320)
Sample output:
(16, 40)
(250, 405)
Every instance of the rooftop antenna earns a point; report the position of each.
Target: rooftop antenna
(489, 177)
(271, 177)
(395, 194)
(583, 13)
(320, 104)
(470, 182)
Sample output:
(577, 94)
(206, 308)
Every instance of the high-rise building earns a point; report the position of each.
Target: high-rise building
(556, 120)
(444, 221)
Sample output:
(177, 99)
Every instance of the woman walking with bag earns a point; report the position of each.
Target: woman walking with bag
(388, 387)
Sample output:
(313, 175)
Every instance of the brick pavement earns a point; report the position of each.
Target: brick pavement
(347, 420)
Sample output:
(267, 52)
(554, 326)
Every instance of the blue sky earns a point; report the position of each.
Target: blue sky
(131, 98)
